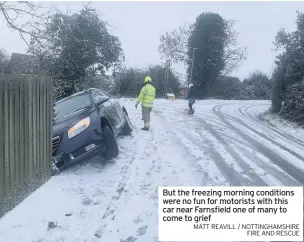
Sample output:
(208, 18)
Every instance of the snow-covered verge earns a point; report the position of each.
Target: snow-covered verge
(223, 143)
(285, 125)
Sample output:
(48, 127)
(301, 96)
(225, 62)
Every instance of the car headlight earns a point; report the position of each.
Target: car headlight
(79, 127)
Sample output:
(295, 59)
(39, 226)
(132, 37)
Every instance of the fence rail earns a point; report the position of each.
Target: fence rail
(25, 136)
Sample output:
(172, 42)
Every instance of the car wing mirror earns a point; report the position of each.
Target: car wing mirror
(102, 101)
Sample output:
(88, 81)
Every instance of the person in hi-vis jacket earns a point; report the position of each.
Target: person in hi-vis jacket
(146, 98)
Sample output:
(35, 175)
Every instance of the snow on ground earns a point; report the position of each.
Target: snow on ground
(285, 126)
(224, 143)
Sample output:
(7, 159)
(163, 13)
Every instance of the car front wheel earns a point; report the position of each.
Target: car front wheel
(111, 147)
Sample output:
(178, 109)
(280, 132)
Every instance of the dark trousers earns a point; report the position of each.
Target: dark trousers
(146, 112)
(191, 111)
(190, 104)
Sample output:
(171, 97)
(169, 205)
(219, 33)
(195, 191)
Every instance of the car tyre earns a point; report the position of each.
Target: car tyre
(128, 128)
(111, 147)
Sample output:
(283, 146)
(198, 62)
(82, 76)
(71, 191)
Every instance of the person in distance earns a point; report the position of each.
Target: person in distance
(191, 98)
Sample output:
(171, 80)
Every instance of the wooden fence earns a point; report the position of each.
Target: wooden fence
(25, 137)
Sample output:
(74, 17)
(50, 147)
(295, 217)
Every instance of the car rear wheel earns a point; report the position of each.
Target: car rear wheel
(128, 128)
(111, 147)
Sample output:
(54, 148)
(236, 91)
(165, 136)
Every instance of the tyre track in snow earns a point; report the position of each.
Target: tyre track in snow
(143, 183)
(262, 135)
(213, 120)
(244, 111)
(253, 145)
(236, 141)
(143, 186)
(164, 172)
(232, 176)
(300, 157)
(110, 230)
(196, 166)
(109, 213)
(280, 175)
(275, 172)
(282, 134)
(117, 192)
(289, 168)
(256, 179)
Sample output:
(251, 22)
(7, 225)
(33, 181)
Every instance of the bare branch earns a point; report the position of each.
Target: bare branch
(174, 45)
(86, 6)
(13, 11)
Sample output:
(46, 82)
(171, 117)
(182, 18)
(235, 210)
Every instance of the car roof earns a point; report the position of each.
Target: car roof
(73, 95)
(93, 89)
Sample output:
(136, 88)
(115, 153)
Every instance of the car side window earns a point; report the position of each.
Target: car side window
(99, 97)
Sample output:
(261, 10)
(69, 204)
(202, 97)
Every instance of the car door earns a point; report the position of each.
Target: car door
(119, 113)
(105, 107)
(116, 111)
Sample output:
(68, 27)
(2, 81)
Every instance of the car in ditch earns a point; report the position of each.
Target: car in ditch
(86, 124)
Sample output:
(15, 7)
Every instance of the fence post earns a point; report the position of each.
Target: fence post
(2, 155)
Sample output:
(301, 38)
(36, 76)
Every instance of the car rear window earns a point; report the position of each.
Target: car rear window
(72, 105)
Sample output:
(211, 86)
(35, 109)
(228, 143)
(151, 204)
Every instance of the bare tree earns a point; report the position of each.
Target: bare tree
(174, 45)
(234, 54)
(14, 11)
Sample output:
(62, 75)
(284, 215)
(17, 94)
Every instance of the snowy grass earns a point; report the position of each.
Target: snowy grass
(285, 125)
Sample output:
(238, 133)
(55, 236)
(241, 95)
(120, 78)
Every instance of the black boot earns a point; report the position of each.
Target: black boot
(145, 129)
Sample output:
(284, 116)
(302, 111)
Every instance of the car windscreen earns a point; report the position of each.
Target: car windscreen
(72, 105)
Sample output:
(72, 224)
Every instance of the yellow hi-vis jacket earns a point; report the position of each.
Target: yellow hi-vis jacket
(147, 96)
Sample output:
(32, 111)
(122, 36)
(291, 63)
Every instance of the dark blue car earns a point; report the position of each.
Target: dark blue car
(85, 124)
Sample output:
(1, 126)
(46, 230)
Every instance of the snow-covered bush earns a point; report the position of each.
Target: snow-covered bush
(65, 88)
(226, 87)
(293, 108)
(289, 73)
(257, 87)
(103, 82)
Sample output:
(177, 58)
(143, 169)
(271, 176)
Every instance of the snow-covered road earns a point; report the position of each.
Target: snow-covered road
(224, 143)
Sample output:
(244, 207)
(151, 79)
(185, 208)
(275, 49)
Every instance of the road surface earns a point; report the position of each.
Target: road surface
(225, 143)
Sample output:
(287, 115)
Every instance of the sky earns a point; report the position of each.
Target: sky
(139, 26)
